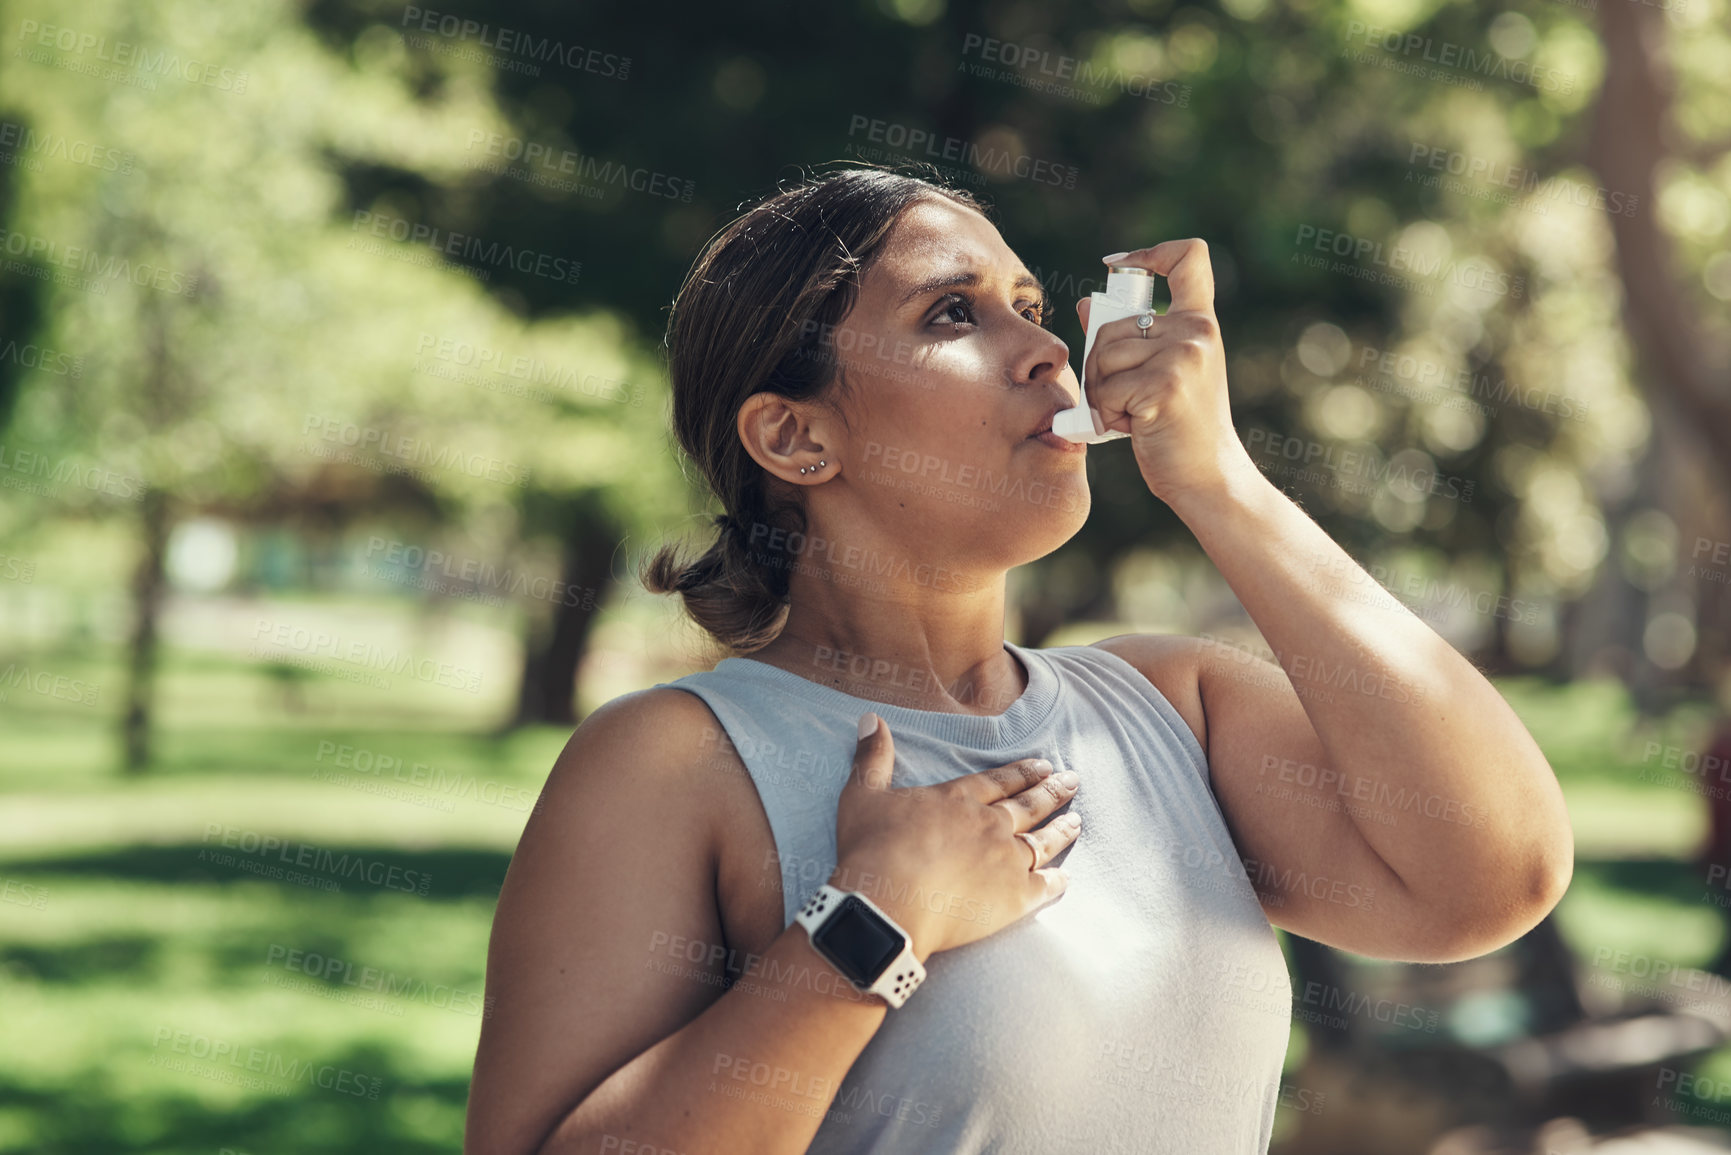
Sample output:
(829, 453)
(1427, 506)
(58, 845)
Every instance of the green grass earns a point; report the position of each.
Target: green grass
(127, 953)
(133, 951)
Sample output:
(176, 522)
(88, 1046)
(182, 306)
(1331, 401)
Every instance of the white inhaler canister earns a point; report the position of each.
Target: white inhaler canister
(1129, 293)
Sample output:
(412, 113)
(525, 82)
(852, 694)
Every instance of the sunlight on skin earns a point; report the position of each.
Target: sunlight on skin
(971, 374)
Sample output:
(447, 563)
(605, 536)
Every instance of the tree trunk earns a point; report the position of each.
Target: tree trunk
(1632, 133)
(552, 654)
(148, 582)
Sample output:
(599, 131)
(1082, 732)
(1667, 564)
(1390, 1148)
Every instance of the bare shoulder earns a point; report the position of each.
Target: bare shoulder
(649, 739)
(1173, 663)
(663, 749)
(618, 860)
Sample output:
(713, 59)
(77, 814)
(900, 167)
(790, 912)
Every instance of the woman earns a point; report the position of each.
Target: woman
(866, 374)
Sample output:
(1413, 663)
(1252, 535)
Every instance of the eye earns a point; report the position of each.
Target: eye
(957, 308)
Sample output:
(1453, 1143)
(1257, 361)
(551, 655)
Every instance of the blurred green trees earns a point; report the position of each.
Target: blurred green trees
(366, 263)
(246, 344)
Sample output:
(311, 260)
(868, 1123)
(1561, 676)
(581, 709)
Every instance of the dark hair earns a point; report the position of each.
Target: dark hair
(751, 318)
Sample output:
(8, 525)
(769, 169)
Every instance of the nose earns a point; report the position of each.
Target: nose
(1043, 361)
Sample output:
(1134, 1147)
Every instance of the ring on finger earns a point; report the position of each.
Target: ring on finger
(1029, 839)
(1145, 322)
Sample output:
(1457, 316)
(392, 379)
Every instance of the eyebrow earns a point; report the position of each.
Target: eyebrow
(951, 280)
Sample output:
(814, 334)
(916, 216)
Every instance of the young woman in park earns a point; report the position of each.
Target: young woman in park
(883, 881)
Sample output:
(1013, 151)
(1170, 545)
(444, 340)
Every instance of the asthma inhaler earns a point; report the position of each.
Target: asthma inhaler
(1129, 292)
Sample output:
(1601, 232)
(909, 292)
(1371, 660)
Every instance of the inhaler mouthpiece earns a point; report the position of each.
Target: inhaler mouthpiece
(1129, 292)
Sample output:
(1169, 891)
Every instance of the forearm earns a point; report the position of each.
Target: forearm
(756, 1071)
(1390, 700)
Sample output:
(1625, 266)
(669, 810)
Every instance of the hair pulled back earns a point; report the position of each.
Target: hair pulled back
(757, 313)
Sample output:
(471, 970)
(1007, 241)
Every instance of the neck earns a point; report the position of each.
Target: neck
(900, 642)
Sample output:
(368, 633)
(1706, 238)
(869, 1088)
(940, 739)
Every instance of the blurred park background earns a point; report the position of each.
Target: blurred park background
(333, 425)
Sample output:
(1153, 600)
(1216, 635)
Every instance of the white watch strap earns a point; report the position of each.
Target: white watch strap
(901, 978)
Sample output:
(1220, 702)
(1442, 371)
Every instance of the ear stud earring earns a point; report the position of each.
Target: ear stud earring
(813, 468)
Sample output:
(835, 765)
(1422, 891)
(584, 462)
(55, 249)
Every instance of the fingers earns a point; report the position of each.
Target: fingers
(874, 757)
(1052, 882)
(1178, 342)
(1048, 882)
(1000, 782)
(1186, 267)
(1122, 355)
(1053, 837)
(1034, 805)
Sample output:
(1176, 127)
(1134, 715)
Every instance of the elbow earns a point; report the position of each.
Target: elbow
(1498, 915)
(1543, 876)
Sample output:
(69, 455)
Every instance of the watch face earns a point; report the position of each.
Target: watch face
(858, 942)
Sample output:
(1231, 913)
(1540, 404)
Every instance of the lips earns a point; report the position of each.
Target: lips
(1046, 425)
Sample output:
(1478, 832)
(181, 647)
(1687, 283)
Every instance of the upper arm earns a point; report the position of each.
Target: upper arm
(1311, 868)
(618, 857)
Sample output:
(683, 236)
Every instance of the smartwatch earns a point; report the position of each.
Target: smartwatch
(862, 942)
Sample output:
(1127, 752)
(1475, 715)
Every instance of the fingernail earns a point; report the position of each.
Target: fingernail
(1115, 257)
(1070, 778)
(868, 725)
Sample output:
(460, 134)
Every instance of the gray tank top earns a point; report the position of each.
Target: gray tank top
(1145, 1010)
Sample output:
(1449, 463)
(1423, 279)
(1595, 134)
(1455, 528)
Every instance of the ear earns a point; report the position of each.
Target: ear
(783, 435)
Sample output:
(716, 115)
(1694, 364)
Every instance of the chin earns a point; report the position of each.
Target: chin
(1042, 529)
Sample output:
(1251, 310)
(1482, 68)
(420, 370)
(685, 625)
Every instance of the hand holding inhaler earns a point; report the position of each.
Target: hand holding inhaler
(1129, 293)
(1160, 379)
